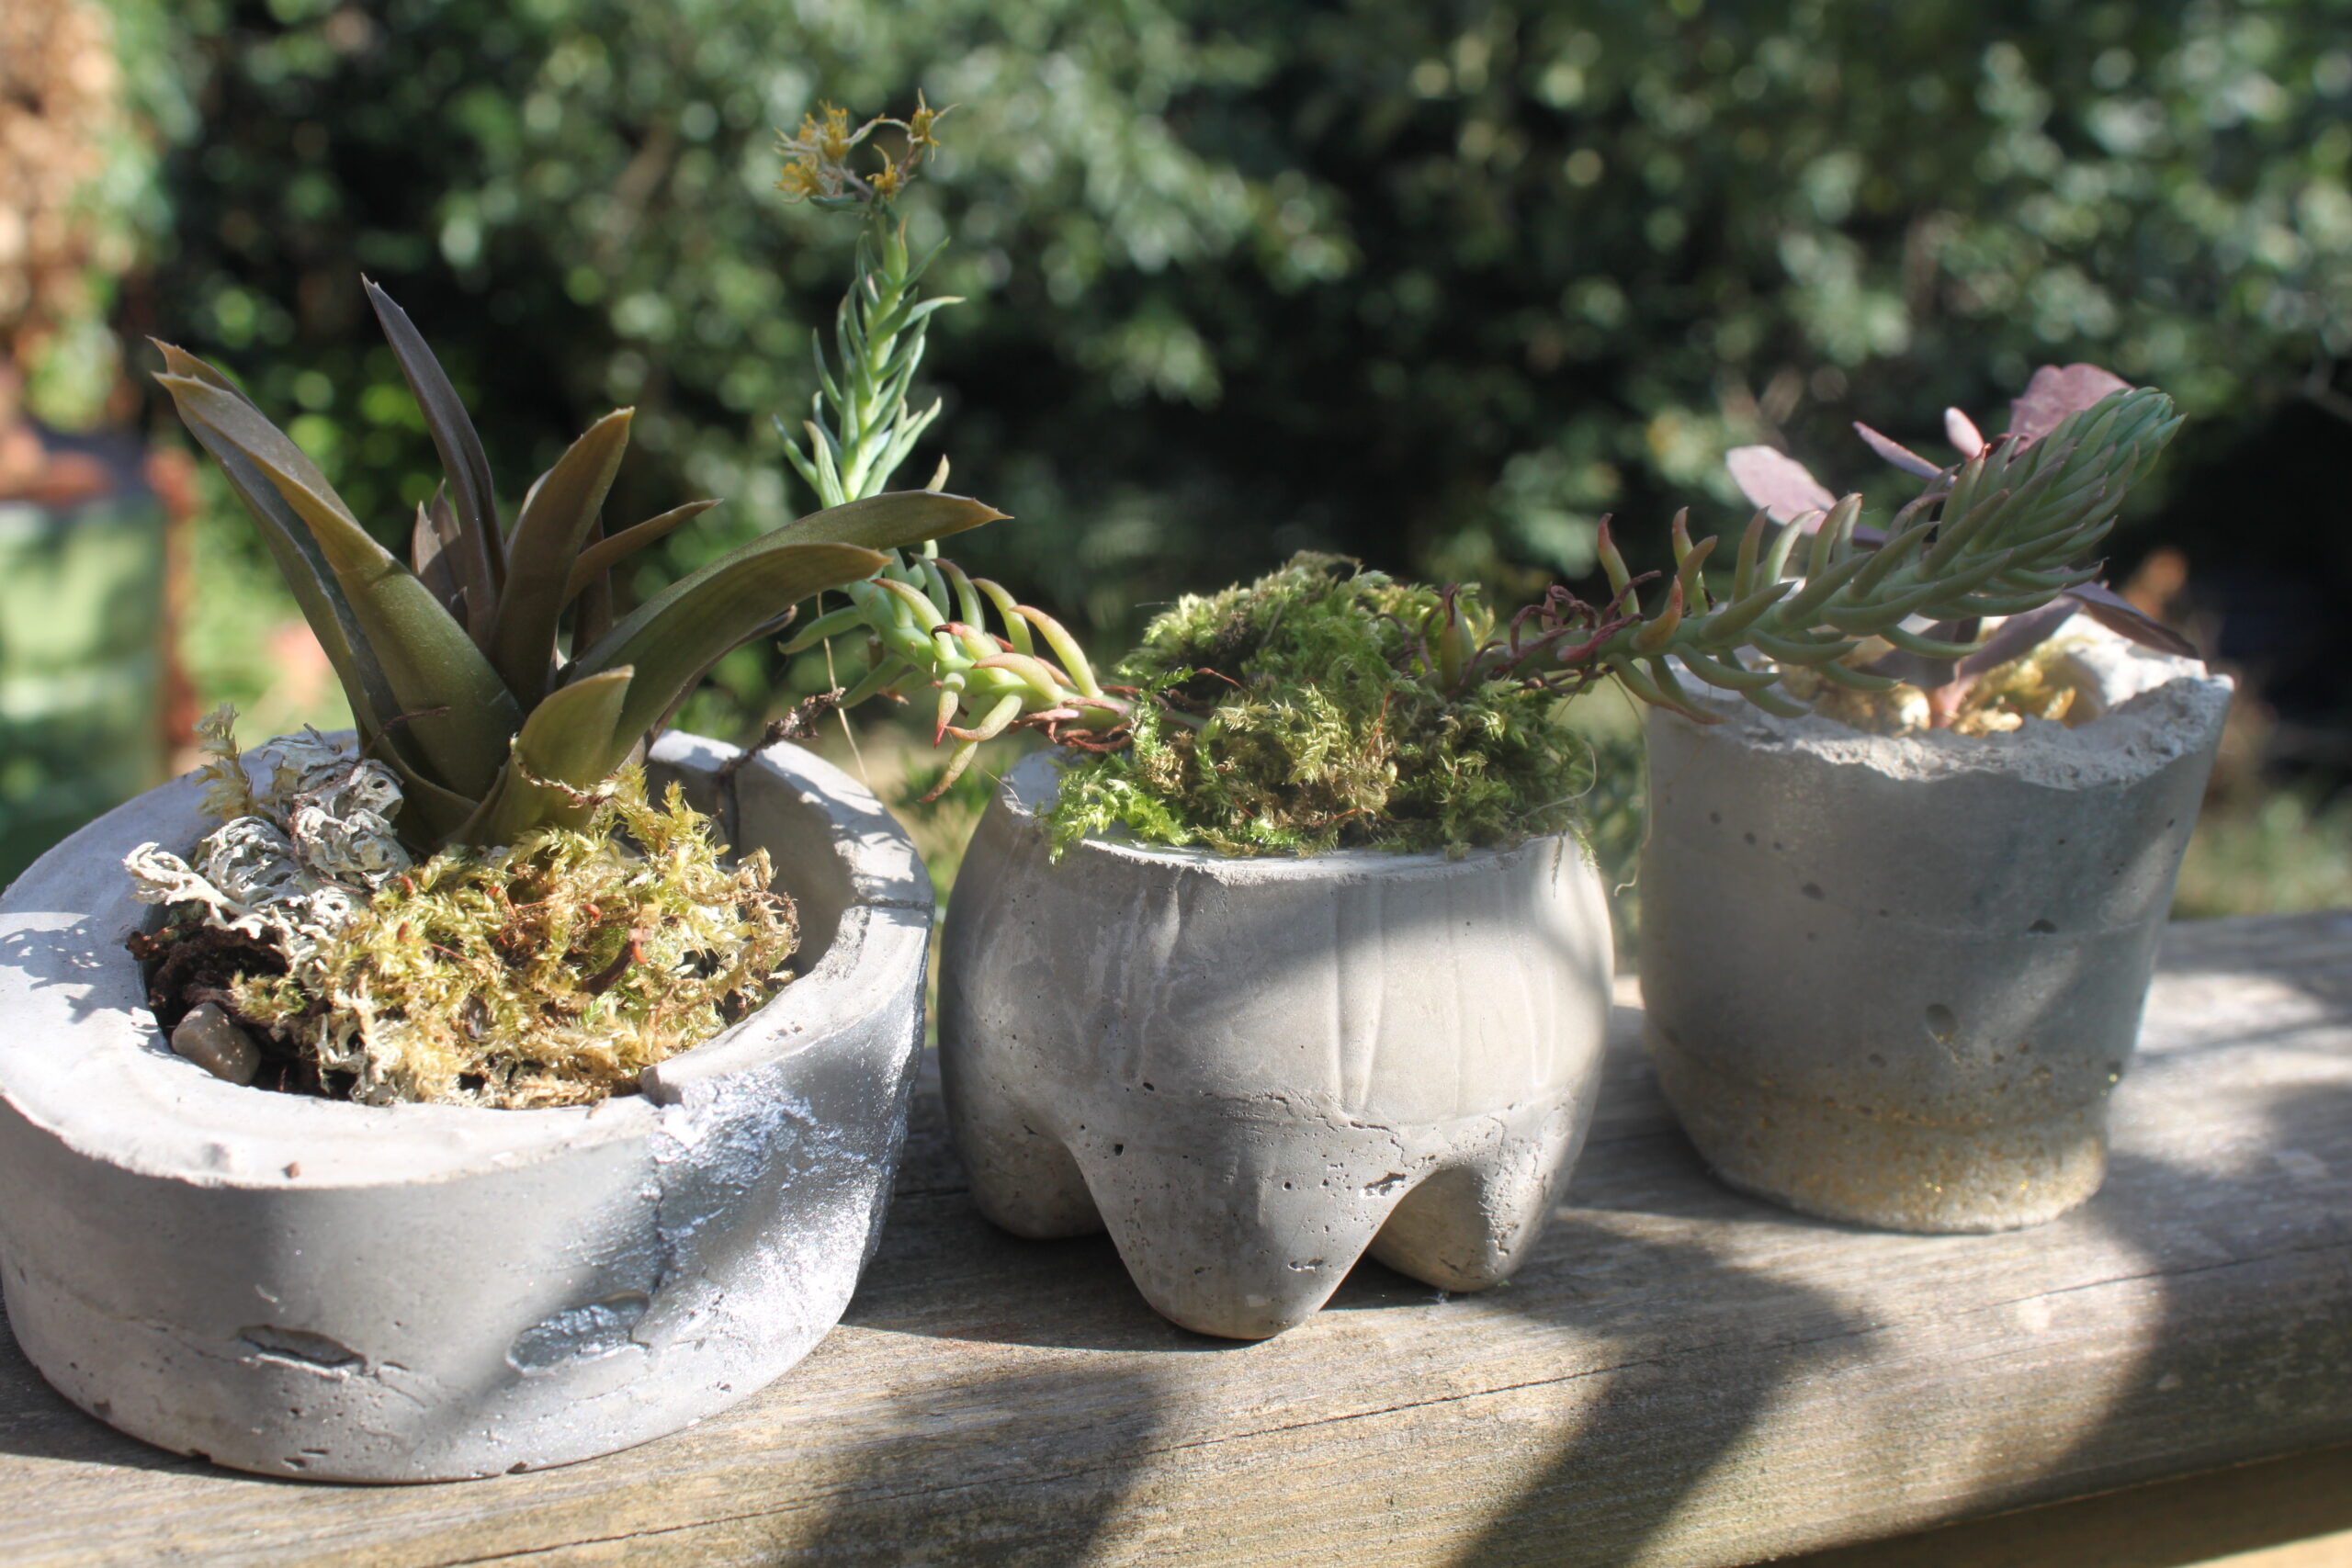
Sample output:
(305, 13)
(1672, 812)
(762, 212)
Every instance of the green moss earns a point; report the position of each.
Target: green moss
(551, 973)
(1300, 713)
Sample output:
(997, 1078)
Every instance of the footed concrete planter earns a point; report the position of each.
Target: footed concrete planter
(1894, 980)
(1253, 1071)
(307, 1288)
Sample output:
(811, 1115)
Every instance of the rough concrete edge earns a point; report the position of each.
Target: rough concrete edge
(2149, 724)
(209, 1133)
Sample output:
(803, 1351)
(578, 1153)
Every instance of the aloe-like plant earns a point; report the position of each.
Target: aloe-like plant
(454, 660)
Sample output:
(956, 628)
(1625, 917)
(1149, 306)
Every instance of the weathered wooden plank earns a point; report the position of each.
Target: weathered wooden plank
(1682, 1376)
(2284, 1513)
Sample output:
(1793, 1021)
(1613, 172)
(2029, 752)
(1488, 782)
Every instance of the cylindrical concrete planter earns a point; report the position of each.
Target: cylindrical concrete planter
(1894, 980)
(1253, 1070)
(308, 1288)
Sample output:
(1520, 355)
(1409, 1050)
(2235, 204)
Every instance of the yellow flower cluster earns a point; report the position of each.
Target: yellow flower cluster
(817, 167)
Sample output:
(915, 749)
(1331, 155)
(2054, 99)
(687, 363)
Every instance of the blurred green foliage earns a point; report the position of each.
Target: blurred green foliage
(1435, 284)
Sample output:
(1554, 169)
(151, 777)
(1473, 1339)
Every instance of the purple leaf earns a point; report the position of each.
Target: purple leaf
(1924, 671)
(1777, 482)
(2056, 391)
(2124, 618)
(1961, 432)
(1897, 452)
(2017, 635)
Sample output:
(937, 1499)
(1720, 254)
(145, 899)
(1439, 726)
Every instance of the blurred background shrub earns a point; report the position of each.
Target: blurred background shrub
(1433, 284)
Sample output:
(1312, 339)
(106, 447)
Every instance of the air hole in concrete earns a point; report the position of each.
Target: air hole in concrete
(1150, 1090)
(299, 1348)
(1749, 837)
(581, 1333)
(1118, 1148)
(1813, 890)
(1876, 1060)
(517, 1468)
(1717, 817)
(1941, 1024)
(2041, 928)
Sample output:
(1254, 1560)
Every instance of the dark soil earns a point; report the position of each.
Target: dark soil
(188, 963)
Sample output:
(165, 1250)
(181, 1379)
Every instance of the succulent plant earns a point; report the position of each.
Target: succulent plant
(1323, 707)
(1998, 534)
(1782, 486)
(454, 660)
(922, 620)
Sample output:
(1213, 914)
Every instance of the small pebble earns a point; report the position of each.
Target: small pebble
(207, 1037)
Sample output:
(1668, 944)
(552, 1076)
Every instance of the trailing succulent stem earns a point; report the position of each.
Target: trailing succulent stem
(924, 621)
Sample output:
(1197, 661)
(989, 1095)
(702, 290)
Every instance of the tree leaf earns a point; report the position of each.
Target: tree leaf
(457, 710)
(672, 637)
(572, 743)
(481, 554)
(549, 533)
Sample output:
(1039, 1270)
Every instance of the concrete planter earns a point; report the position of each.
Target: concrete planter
(349, 1293)
(1253, 1071)
(1894, 980)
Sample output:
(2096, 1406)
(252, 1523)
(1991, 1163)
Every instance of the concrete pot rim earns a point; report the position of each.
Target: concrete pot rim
(2136, 686)
(122, 1096)
(1030, 785)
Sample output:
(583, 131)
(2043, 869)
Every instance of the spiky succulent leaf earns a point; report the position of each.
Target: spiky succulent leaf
(290, 546)
(446, 696)
(548, 533)
(571, 743)
(896, 520)
(604, 554)
(674, 636)
(481, 555)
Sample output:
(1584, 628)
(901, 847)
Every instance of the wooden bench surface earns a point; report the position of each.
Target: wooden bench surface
(1680, 1376)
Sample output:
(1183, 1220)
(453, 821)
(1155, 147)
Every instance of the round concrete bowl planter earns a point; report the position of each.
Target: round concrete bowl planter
(1894, 980)
(308, 1288)
(1252, 1071)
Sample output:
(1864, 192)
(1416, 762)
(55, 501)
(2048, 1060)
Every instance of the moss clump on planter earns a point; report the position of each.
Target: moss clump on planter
(551, 972)
(1305, 712)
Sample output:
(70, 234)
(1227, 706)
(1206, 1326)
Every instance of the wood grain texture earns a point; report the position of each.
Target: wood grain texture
(1682, 1376)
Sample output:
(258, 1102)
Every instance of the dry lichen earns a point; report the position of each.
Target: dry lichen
(548, 972)
(1299, 713)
